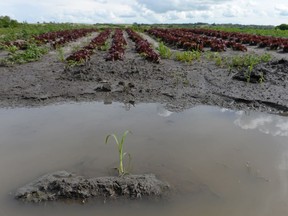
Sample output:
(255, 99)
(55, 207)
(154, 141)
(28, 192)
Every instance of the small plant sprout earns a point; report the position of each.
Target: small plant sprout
(121, 170)
(60, 54)
(261, 79)
(11, 49)
(105, 46)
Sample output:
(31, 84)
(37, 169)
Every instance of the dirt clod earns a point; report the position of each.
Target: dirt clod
(106, 87)
(62, 185)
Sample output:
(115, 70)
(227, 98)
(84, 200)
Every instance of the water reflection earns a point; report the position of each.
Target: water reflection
(265, 123)
(162, 111)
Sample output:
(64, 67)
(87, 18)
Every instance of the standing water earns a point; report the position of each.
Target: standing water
(218, 162)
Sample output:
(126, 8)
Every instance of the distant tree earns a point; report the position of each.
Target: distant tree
(282, 27)
(6, 22)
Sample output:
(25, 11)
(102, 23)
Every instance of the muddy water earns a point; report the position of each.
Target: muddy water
(219, 162)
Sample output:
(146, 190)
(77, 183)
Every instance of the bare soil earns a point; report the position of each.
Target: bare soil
(135, 80)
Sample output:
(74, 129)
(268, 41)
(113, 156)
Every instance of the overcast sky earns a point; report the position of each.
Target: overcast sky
(263, 12)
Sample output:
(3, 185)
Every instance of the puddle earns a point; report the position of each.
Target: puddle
(238, 161)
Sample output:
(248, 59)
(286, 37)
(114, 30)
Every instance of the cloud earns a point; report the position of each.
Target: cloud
(233, 11)
(147, 11)
(282, 10)
(128, 16)
(179, 5)
(268, 124)
(161, 111)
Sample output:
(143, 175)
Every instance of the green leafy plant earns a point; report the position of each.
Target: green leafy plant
(218, 60)
(121, 169)
(72, 63)
(32, 53)
(104, 47)
(164, 51)
(188, 56)
(11, 49)
(247, 63)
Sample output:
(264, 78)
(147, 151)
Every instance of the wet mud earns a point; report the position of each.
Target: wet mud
(62, 185)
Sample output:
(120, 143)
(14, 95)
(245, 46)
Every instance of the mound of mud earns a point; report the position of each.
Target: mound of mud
(273, 72)
(62, 185)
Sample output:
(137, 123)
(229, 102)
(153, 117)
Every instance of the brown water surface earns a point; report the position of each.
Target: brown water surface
(219, 162)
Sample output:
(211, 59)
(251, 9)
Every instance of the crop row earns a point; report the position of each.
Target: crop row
(60, 38)
(116, 52)
(197, 39)
(143, 47)
(272, 43)
(84, 54)
(183, 38)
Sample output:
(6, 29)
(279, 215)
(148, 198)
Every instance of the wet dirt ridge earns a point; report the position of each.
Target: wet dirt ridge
(62, 185)
(135, 80)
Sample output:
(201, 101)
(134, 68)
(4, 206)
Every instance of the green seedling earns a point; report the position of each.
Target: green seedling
(261, 79)
(216, 57)
(218, 60)
(72, 63)
(105, 47)
(188, 56)
(247, 63)
(60, 54)
(164, 51)
(209, 55)
(121, 170)
(248, 72)
(266, 57)
(11, 49)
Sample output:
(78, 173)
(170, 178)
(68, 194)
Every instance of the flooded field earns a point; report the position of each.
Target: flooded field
(218, 162)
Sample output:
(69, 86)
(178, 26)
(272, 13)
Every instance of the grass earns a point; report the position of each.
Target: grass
(247, 30)
(216, 57)
(164, 51)
(245, 62)
(188, 56)
(248, 60)
(121, 169)
(25, 31)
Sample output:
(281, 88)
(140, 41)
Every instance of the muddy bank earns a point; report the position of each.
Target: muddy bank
(134, 80)
(63, 185)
